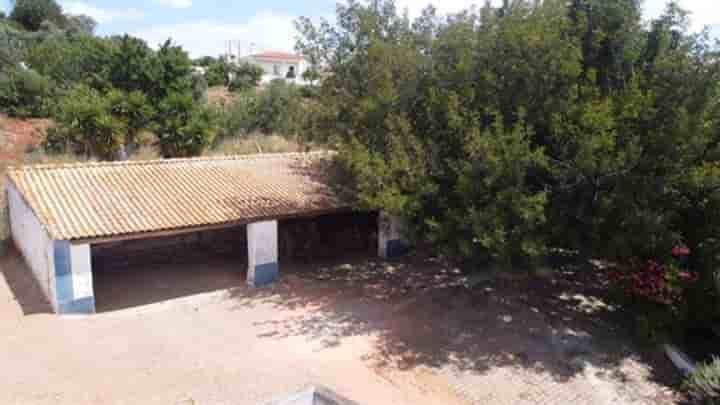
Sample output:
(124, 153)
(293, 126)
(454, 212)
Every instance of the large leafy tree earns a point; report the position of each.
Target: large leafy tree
(503, 131)
(31, 14)
(71, 59)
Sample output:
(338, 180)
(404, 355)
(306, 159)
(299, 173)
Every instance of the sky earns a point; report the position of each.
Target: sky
(204, 27)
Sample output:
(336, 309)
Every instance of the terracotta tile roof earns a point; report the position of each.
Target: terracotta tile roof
(277, 55)
(93, 200)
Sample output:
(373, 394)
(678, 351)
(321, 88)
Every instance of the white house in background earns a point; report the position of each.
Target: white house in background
(279, 65)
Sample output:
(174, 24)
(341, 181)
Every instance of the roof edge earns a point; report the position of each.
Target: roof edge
(76, 165)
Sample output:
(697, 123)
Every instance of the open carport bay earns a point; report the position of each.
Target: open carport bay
(149, 270)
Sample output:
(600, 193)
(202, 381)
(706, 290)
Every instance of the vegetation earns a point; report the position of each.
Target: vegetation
(217, 72)
(502, 133)
(104, 91)
(31, 14)
(25, 93)
(704, 384)
(237, 77)
(258, 143)
(244, 76)
(182, 128)
(278, 109)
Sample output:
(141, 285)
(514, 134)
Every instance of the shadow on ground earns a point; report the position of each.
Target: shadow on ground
(424, 312)
(24, 287)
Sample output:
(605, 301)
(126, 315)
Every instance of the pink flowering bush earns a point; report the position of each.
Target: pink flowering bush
(655, 282)
(657, 292)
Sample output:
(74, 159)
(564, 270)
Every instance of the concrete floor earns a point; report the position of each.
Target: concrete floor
(120, 288)
(377, 333)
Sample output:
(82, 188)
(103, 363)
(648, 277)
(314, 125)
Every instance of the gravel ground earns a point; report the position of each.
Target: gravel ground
(408, 332)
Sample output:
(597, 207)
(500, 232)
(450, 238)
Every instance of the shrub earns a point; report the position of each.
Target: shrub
(134, 110)
(658, 293)
(703, 385)
(145, 152)
(239, 117)
(25, 93)
(276, 109)
(245, 76)
(183, 128)
(257, 143)
(200, 88)
(86, 124)
(217, 73)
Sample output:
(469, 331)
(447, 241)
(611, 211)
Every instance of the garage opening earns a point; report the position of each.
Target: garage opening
(327, 239)
(149, 270)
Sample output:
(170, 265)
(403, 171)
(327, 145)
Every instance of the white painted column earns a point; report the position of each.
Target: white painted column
(73, 278)
(390, 239)
(262, 240)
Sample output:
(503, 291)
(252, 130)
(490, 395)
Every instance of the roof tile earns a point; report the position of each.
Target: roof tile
(96, 200)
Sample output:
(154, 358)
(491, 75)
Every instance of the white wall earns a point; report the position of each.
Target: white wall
(33, 241)
(283, 67)
(389, 229)
(262, 242)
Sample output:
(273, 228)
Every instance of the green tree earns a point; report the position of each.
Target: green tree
(80, 24)
(245, 76)
(86, 124)
(32, 13)
(134, 66)
(205, 61)
(175, 71)
(182, 127)
(71, 59)
(218, 73)
(504, 131)
(311, 75)
(25, 93)
(136, 113)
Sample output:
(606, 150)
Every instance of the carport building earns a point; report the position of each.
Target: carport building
(60, 213)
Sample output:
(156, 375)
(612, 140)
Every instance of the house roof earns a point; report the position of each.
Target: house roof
(276, 55)
(99, 200)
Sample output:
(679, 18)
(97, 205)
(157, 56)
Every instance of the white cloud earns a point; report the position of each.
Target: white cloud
(102, 15)
(266, 30)
(175, 3)
(703, 12)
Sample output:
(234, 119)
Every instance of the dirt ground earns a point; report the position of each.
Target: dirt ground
(409, 332)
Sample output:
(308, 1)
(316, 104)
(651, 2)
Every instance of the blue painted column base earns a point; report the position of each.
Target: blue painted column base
(264, 274)
(73, 289)
(396, 248)
(79, 306)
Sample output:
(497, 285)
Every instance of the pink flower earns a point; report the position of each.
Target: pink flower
(680, 251)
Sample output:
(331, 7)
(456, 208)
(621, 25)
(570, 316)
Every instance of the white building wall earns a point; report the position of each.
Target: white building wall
(33, 242)
(269, 69)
